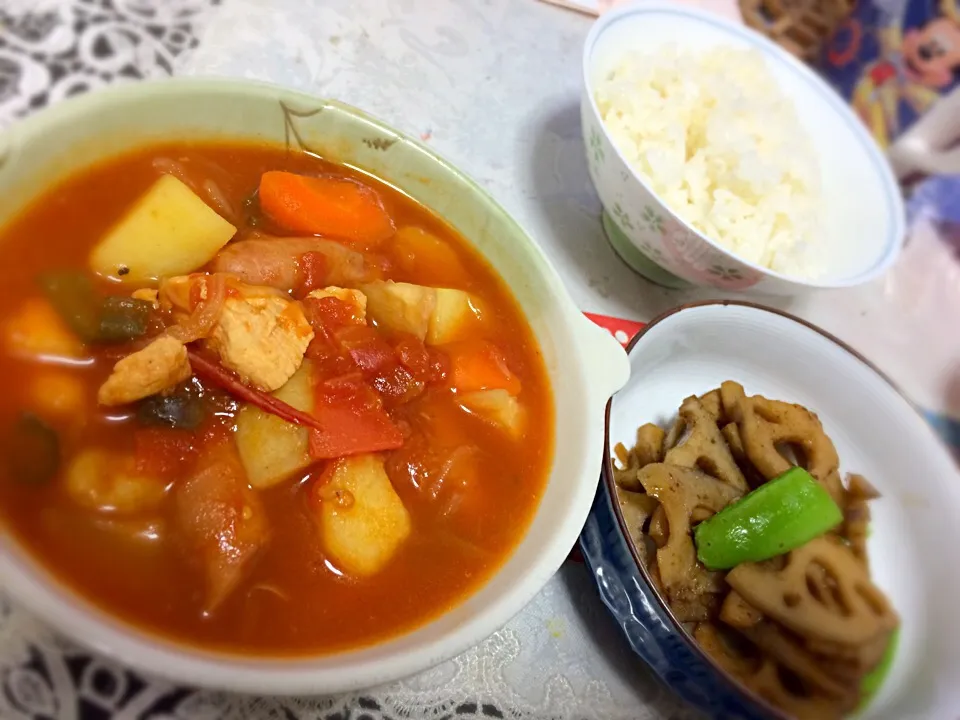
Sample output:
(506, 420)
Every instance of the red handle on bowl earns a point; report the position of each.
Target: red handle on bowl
(623, 331)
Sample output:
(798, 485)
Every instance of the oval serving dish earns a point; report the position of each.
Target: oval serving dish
(876, 431)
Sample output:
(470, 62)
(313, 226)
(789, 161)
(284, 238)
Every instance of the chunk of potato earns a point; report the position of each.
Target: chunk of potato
(400, 306)
(455, 314)
(168, 231)
(363, 521)
(57, 392)
(497, 407)
(37, 330)
(107, 481)
(272, 450)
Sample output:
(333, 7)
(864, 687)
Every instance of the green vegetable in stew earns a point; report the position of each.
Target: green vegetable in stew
(33, 450)
(123, 318)
(185, 408)
(93, 318)
(777, 517)
(75, 300)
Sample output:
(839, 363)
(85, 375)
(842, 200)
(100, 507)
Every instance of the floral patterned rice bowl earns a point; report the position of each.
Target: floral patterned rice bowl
(862, 232)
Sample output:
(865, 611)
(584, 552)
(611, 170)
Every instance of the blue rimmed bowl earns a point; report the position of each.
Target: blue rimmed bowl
(877, 432)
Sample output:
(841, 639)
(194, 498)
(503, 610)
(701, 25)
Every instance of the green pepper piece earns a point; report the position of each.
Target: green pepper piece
(33, 450)
(72, 295)
(777, 517)
(871, 683)
(123, 318)
(185, 408)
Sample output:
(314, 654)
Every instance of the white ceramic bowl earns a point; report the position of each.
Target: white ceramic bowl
(862, 210)
(912, 544)
(585, 364)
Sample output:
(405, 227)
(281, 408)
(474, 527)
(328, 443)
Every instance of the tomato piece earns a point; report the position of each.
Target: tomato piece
(367, 347)
(414, 356)
(424, 363)
(164, 452)
(352, 418)
(378, 361)
(313, 268)
(341, 346)
(397, 385)
(326, 314)
(329, 359)
(480, 365)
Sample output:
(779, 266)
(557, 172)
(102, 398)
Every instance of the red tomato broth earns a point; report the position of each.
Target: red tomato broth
(292, 601)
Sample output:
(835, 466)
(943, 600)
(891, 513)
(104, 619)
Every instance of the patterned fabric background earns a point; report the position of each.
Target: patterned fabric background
(52, 49)
(49, 51)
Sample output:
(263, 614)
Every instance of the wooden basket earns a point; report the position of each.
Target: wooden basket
(799, 26)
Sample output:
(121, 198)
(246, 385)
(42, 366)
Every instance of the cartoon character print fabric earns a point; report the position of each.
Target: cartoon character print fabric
(893, 59)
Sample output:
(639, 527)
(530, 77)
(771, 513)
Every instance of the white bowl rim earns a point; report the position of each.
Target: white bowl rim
(895, 206)
(601, 360)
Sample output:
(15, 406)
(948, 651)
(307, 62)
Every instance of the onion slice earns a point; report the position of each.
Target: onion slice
(203, 319)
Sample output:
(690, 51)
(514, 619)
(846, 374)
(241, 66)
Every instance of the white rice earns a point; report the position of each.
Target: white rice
(716, 139)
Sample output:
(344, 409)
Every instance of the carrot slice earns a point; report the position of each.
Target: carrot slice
(335, 206)
(480, 365)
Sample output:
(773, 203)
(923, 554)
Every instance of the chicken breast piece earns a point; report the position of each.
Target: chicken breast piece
(263, 339)
(355, 300)
(160, 365)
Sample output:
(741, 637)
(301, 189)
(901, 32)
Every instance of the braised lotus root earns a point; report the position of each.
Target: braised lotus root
(856, 515)
(861, 611)
(704, 448)
(718, 645)
(731, 434)
(738, 613)
(682, 492)
(800, 629)
(648, 449)
(791, 653)
(711, 402)
(659, 531)
(636, 509)
(768, 683)
(766, 424)
(850, 663)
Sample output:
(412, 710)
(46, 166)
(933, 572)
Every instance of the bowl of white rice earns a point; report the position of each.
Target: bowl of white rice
(723, 161)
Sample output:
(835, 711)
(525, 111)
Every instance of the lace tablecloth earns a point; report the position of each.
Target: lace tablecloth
(495, 87)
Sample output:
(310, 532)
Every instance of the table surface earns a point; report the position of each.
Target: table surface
(494, 86)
